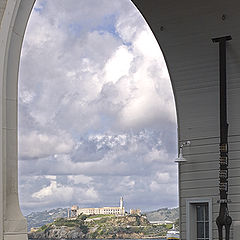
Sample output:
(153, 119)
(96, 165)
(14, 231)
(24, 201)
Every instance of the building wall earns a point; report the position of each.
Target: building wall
(184, 30)
(135, 211)
(104, 210)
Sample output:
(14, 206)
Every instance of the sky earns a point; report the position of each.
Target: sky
(97, 117)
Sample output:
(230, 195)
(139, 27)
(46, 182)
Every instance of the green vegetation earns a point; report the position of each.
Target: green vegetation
(72, 223)
(44, 227)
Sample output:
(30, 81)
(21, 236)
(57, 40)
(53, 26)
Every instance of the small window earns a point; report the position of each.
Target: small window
(199, 219)
(202, 221)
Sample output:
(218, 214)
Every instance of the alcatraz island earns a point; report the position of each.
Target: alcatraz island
(101, 223)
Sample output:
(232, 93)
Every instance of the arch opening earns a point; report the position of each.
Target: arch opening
(133, 107)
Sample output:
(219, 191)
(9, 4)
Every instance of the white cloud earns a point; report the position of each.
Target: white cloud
(37, 145)
(118, 65)
(51, 177)
(163, 177)
(146, 44)
(155, 154)
(77, 179)
(57, 190)
(96, 108)
(26, 96)
(91, 194)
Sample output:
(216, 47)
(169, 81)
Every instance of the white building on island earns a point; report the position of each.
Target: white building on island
(118, 211)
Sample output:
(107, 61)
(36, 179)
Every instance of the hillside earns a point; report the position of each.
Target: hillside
(38, 219)
(101, 227)
(170, 214)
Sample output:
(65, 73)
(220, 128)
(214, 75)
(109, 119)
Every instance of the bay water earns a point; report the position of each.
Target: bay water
(113, 239)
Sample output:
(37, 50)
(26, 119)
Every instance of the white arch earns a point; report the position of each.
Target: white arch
(184, 29)
(13, 24)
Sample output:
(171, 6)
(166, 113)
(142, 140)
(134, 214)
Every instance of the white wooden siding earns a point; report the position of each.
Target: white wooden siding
(192, 59)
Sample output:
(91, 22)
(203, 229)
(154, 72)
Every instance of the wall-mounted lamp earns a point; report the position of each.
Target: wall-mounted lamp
(180, 157)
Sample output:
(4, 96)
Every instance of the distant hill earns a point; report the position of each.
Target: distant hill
(170, 214)
(38, 219)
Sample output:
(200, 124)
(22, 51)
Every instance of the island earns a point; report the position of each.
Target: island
(108, 226)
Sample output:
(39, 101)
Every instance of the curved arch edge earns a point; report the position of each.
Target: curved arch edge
(15, 17)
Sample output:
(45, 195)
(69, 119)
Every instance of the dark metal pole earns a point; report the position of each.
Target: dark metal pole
(223, 219)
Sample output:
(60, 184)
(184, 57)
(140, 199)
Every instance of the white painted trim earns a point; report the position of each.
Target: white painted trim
(190, 201)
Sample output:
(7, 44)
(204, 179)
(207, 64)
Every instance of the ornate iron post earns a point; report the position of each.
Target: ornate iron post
(223, 218)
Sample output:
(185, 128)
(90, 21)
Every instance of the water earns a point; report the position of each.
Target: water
(113, 239)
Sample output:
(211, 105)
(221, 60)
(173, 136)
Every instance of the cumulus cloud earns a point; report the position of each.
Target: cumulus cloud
(55, 190)
(96, 109)
(80, 179)
(39, 145)
(118, 65)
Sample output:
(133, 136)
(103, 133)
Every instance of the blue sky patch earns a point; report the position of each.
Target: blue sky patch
(40, 6)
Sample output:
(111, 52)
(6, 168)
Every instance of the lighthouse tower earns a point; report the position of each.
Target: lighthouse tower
(121, 206)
